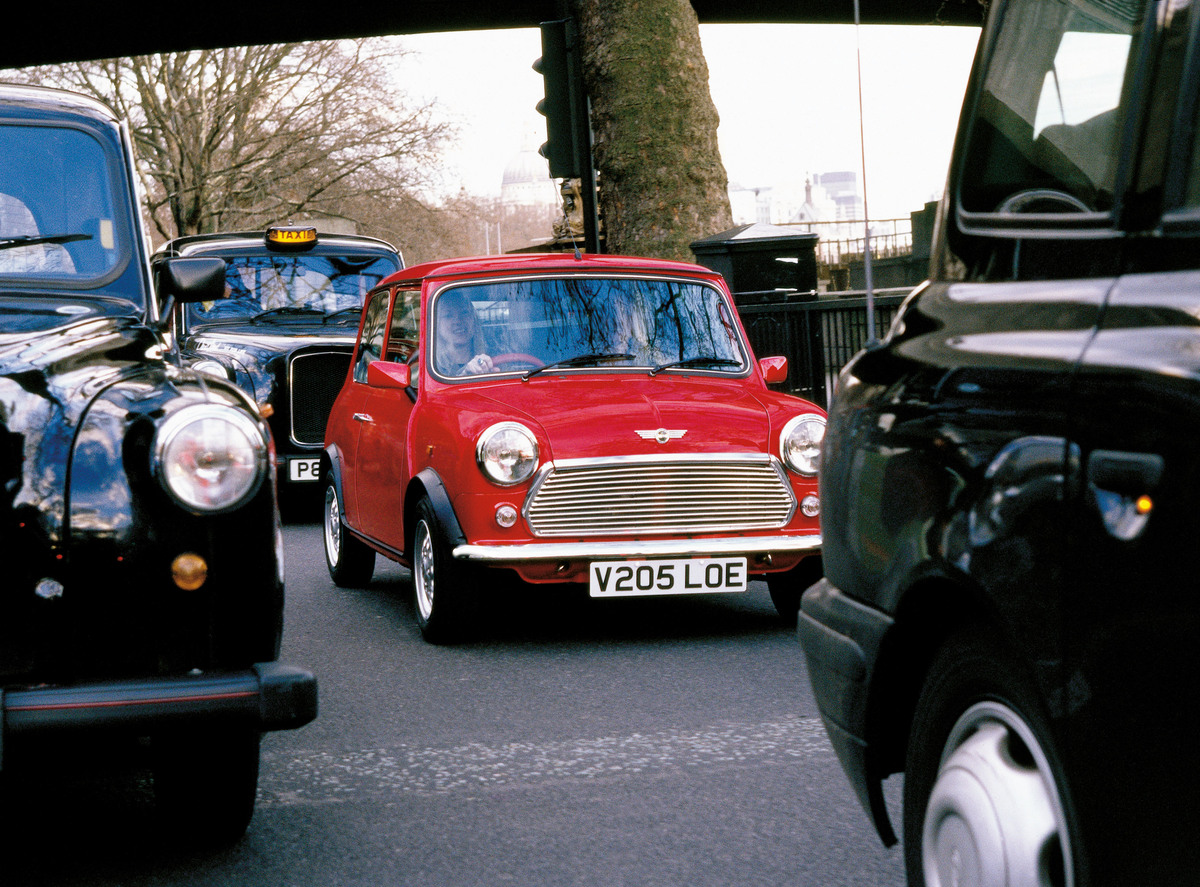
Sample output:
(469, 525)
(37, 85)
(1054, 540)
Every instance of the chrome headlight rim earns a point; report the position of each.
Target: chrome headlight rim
(172, 482)
(800, 444)
(490, 468)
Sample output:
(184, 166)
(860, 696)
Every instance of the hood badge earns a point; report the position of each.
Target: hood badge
(662, 435)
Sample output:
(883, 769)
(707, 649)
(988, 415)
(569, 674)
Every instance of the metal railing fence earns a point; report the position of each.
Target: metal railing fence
(818, 336)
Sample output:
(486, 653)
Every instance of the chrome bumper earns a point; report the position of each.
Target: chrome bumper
(633, 549)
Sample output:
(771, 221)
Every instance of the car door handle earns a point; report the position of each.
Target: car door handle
(363, 417)
(1129, 474)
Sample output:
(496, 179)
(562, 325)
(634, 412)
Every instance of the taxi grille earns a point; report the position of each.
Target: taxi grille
(315, 378)
(725, 494)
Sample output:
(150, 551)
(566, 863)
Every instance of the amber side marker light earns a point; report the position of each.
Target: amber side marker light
(189, 571)
(1144, 505)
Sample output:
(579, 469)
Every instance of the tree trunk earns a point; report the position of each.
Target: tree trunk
(662, 183)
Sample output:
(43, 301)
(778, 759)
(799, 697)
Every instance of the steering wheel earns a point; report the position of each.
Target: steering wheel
(516, 360)
(1042, 200)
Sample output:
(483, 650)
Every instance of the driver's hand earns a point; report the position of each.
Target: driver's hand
(480, 363)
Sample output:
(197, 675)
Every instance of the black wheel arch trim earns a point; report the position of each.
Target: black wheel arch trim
(841, 639)
(429, 483)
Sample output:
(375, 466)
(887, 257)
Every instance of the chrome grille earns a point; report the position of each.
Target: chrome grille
(315, 378)
(684, 495)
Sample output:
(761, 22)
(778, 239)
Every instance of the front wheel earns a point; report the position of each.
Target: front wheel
(787, 588)
(984, 799)
(205, 781)
(444, 591)
(350, 562)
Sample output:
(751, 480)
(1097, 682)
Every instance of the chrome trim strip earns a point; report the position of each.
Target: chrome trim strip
(596, 551)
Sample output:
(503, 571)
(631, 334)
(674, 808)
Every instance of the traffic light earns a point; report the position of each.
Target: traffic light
(564, 106)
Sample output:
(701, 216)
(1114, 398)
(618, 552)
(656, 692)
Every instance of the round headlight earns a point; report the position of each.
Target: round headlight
(210, 457)
(800, 444)
(507, 453)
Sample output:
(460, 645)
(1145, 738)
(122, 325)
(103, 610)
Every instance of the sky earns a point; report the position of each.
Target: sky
(787, 97)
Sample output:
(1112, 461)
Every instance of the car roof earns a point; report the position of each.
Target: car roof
(255, 241)
(547, 263)
(21, 100)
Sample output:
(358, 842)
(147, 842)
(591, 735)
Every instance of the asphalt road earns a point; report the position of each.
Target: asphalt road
(627, 742)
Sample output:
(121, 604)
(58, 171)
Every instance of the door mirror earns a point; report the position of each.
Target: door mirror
(386, 374)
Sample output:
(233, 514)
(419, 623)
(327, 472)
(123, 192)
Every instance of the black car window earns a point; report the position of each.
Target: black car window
(1045, 136)
(55, 234)
(370, 344)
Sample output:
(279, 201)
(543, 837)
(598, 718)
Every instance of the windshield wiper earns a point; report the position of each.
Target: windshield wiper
(577, 361)
(36, 239)
(697, 362)
(287, 309)
(357, 309)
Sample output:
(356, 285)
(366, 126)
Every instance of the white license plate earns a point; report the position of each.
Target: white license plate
(686, 576)
(303, 469)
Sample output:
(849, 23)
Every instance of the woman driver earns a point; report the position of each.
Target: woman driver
(460, 345)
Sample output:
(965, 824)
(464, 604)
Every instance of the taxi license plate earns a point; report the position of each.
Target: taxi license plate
(684, 576)
(303, 469)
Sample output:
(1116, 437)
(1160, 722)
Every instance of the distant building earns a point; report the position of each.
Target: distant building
(842, 188)
(527, 181)
(780, 205)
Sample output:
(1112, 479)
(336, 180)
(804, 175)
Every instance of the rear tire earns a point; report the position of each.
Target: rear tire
(445, 591)
(984, 798)
(351, 563)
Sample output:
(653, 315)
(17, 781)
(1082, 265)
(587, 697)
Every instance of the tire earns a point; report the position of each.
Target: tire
(351, 563)
(205, 781)
(444, 590)
(787, 588)
(984, 798)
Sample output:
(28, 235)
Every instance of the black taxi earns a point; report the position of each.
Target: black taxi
(285, 331)
(1010, 478)
(143, 577)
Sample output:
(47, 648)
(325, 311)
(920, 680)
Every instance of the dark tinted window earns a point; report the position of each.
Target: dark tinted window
(1044, 137)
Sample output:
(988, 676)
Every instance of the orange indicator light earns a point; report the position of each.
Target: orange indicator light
(189, 571)
(1144, 504)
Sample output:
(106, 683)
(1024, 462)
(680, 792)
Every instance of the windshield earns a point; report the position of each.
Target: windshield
(57, 222)
(551, 325)
(268, 286)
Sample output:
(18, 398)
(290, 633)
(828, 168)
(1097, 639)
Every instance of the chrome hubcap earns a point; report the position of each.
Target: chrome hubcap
(995, 816)
(423, 569)
(333, 525)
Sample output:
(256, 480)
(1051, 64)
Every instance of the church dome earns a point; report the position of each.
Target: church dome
(526, 167)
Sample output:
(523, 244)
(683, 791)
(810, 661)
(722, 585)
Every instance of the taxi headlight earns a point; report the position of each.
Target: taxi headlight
(210, 457)
(800, 444)
(507, 453)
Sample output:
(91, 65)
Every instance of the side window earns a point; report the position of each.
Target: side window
(406, 325)
(1046, 128)
(370, 345)
(404, 336)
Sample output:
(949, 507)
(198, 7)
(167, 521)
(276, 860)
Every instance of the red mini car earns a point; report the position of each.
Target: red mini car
(597, 420)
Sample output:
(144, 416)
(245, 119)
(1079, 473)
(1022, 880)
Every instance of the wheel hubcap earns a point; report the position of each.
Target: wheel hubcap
(333, 525)
(995, 816)
(423, 569)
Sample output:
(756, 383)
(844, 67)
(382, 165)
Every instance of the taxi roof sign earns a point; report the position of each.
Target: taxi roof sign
(291, 236)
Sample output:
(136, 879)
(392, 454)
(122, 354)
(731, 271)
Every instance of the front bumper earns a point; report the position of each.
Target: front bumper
(634, 549)
(841, 638)
(270, 695)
